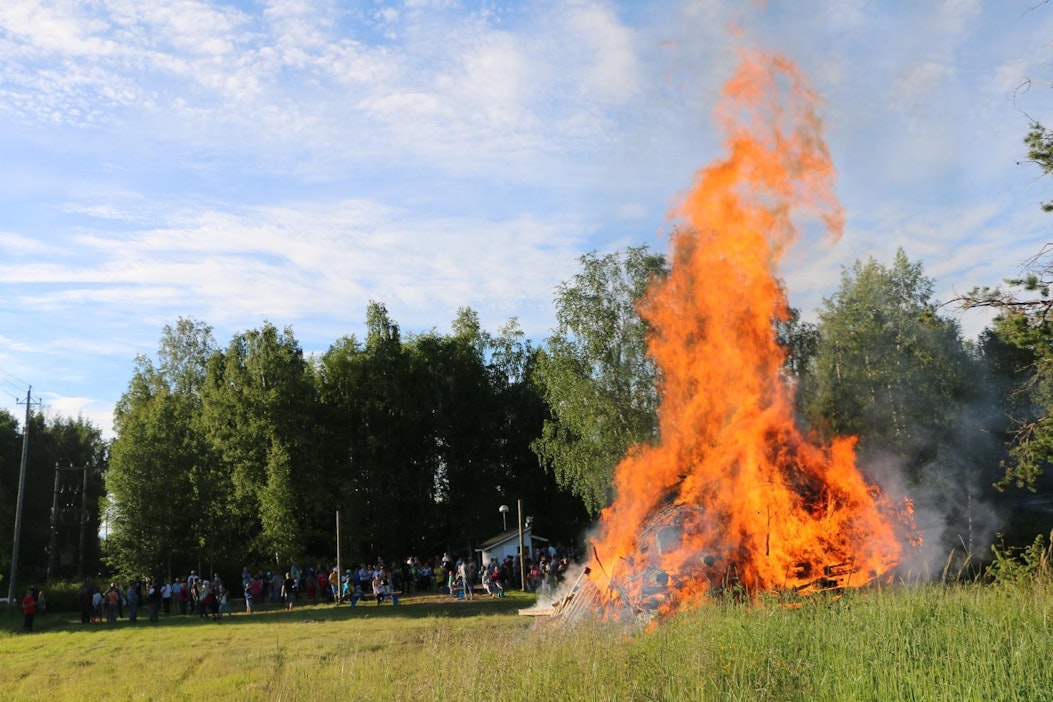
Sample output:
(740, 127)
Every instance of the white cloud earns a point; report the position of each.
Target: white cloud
(61, 27)
(16, 245)
(98, 414)
(954, 17)
(16, 346)
(606, 47)
(278, 262)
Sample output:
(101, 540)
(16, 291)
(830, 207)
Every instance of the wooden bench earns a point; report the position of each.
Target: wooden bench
(392, 597)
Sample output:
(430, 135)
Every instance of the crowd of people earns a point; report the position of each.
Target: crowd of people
(210, 598)
(192, 595)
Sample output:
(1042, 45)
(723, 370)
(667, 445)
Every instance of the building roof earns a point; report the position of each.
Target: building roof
(506, 536)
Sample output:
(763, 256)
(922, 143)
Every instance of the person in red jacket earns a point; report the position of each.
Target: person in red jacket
(29, 610)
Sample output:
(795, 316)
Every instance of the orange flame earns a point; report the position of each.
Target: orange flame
(747, 498)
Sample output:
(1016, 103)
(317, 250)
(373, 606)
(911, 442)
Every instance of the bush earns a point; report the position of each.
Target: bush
(62, 596)
(1014, 565)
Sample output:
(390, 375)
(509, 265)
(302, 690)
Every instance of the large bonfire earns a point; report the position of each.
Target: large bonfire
(733, 495)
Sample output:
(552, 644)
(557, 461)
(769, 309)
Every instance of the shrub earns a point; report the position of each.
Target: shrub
(1014, 565)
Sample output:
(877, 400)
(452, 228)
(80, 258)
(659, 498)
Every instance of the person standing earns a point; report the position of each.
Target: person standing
(256, 591)
(110, 600)
(176, 593)
(288, 590)
(166, 598)
(153, 601)
(334, 584)
(294, 571)
(132, 598)
(224, 602)
(464, 571)
(29, 611)
(204, 601)
(193, 588)
(97, 604)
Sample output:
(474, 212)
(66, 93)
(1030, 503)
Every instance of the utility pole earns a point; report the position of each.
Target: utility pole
(522, 553)
(83, 525)
(339, 566)
(52, 540)
(18, 504)
(53, 535)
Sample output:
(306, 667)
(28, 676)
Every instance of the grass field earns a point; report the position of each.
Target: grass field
(921, 643)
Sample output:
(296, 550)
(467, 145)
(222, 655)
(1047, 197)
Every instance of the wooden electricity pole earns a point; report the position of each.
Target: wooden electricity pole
(53, 538)
(18, 506)
(522, 553)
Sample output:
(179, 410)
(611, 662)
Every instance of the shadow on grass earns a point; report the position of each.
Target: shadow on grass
(420, 606)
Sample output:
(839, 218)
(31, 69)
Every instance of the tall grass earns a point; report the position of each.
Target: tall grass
(923, 643)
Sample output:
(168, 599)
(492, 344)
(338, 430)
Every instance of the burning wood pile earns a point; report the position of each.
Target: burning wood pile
(637, 590)
(734, 496)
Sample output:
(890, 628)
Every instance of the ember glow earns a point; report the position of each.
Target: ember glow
(733, 493)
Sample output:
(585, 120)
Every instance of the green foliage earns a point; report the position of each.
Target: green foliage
(1026, 366)
(888, 368)
(53, 442)
(243, 455)
(258, 401)
(1025, 320)
(448, 419)
(1039, 142)
(161, 477)
(1019, 565)
(801, 341)
(376, 399)
(596, 376)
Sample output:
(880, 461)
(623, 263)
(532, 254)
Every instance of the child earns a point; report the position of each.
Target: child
(96, 607)
(248, 598)
(224, 602)
(29, 610)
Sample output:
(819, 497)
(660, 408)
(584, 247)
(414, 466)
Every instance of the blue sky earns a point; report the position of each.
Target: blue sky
(291, 160)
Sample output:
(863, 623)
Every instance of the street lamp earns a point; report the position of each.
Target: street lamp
(503, 509)
(522, 551)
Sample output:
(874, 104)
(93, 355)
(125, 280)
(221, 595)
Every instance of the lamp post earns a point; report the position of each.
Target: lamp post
(503, 509)
(522, 553)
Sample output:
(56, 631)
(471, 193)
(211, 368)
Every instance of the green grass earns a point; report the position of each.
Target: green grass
(922, 643)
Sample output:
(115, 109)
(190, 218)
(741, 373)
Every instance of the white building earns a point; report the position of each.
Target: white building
(507, 544)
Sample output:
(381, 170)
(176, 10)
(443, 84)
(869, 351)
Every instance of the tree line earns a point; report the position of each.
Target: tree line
(59, 526)
(939, 418)
(246, 452)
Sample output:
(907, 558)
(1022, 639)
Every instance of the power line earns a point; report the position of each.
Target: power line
(15, 390)
(22, 388)
(14, 381)
(18, 386)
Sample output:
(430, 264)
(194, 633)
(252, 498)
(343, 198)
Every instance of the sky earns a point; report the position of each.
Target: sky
(288, 161)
